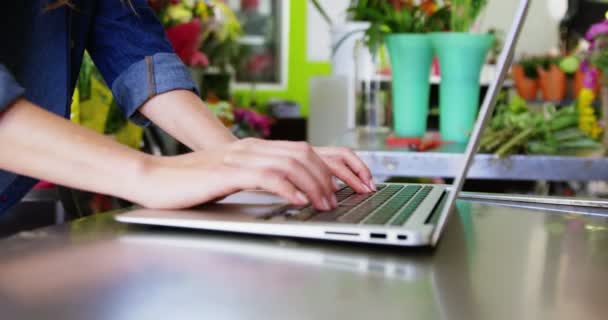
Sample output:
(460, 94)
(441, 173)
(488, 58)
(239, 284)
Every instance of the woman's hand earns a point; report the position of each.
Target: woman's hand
(348, 167)
(292, 170)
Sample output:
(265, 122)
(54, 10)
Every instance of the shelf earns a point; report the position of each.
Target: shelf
(445, 162)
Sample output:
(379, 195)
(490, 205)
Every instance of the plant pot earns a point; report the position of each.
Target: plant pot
(527, 88)
(461, 57)
(553, 83)
(411, 57)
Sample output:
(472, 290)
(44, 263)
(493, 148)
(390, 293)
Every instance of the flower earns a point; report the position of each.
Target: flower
(600, 28)
(185, 39)
(587, 120)
(255, 121)
(429, 7)
(179, 13)
(590, 75)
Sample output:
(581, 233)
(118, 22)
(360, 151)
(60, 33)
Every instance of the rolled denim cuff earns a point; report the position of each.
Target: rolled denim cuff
(10, 90)
(160, 73)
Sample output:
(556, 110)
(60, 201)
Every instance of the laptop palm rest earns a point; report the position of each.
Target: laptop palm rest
(243, 206)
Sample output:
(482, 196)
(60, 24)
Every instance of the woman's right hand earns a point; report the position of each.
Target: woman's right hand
(291, 170)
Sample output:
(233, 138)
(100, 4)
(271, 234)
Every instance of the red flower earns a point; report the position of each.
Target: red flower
(185, 39)
(400, 4)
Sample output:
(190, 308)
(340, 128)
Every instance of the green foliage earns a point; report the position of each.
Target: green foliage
(532, 64)
(515, 128)
(570, 64)
(464, 13)
(530, 67)
(386, 19)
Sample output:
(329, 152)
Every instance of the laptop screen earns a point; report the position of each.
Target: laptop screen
(504, 62)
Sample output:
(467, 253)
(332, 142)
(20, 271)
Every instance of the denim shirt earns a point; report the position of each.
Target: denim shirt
(41, 52)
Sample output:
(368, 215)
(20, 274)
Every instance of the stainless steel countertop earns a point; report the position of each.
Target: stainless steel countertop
(494, 262)
(445, 162)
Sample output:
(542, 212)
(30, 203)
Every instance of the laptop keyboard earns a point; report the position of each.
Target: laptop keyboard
(383, 216)
(391, 204)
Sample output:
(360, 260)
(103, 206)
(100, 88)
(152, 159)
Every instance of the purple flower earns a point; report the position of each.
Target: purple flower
(254, 120)
(597, 29)
(590, 75)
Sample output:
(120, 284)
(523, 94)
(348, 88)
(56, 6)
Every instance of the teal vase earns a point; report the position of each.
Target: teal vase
(411, 58)
(461, 57)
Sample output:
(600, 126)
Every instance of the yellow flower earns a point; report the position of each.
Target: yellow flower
(586, 112)
(587, 121)
(596, 131)
(202, 10)
(586, 97)
(179, 13)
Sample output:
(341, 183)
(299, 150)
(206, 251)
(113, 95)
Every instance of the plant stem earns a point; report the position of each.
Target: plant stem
(322, 11)
(515, 141)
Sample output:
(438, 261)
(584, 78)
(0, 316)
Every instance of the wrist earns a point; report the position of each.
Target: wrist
(138, 177)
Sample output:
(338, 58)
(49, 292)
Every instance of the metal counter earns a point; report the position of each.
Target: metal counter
(445, 162)
(493, 262)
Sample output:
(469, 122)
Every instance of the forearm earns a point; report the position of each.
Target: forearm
(185, 117)
(39, 144)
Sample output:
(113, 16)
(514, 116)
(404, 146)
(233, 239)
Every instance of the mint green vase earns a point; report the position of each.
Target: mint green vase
(411, 58)
(461, 57)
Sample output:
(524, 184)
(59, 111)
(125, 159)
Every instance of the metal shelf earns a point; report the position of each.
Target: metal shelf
(445, 162)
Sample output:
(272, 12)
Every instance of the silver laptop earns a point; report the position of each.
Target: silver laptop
(397, 214)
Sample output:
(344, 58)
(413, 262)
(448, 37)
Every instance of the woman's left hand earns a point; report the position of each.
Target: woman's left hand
(348, 167)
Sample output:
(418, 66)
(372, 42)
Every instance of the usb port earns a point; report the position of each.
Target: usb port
(377, 235)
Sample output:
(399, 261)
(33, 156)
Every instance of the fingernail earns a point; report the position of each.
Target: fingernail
(334, 201)
(301, 197)
(372, 185)
(326, 205)
(366, 188)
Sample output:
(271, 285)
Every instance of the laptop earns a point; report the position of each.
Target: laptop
(409, 215)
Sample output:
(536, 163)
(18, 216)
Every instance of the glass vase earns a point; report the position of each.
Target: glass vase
(372, 90)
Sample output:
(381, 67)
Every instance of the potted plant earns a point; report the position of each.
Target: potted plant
(404, 27)
(525, 76)
(461, 56)
(552, 79)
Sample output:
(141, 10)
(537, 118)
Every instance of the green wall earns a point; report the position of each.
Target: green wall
(300, 69)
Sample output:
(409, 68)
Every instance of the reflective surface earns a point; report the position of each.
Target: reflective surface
(492, 263)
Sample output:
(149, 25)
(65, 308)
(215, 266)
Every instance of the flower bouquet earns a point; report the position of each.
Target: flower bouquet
(203, 33)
